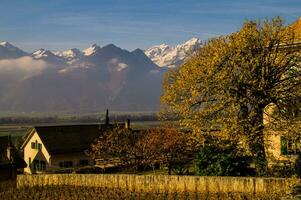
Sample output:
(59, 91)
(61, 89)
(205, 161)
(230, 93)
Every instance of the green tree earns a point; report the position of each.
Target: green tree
(221, 159)
(231, 80)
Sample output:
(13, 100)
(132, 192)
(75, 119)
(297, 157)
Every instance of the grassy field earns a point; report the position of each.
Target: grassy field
(82, 193)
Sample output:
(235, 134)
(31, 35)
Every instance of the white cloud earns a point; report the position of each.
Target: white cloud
(23, 67)
(119, 66)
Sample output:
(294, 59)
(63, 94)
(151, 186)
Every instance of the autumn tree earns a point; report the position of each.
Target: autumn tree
(138, 150)
(118, 144)
(171, 147)
(231, 80)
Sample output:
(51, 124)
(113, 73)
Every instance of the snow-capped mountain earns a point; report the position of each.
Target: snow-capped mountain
(41, 53)
(8, 51)
(91, 50)
(166, 56)
(48, 56)
(73, 80)
(70, 55)
(89, 80)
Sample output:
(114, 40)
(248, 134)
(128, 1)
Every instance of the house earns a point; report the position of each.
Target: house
(282, 144)
(52, 148)
(10, 162)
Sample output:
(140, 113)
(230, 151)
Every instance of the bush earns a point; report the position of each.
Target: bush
(298, 165)
(221, 159)
(281, 171)
(89, 170)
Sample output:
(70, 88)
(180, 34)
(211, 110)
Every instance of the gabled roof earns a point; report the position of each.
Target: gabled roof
(66, 138)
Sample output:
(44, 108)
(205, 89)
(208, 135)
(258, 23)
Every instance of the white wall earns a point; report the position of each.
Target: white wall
(33, 153)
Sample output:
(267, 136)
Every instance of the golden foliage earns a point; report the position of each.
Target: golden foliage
(232, 79)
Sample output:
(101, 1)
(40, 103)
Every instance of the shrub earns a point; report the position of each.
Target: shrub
(298, 165)
(221, 159)
(89, 170)
(285, 170)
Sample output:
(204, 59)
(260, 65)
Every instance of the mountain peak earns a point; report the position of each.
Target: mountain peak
(111, 46)
(5, 43)
(193, 41)
(9, 51)
(91, 50)
(138, 51)
(41, 53)
(69, 54)
(166, 56)
(8, 45)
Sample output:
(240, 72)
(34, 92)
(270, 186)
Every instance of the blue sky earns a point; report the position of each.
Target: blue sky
(130, 24)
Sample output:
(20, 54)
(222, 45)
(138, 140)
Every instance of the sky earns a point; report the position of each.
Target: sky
(129, 24)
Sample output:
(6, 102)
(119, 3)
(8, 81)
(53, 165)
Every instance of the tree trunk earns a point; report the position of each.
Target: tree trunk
(256, 140)
(169, 169)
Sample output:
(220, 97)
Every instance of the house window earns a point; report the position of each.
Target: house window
(40, 146)
(61, 164)
(36, 145)
(33, 145)
(290, 146)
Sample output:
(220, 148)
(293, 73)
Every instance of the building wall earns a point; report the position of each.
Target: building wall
(31, 154)
(75, 158)
(273, 141)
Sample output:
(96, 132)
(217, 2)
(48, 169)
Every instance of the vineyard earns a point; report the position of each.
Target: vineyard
(91, 193)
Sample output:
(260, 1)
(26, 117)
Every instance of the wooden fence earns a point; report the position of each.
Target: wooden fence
(162, 183)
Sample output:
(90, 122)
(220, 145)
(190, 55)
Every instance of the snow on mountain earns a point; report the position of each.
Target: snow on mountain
(166, 56)
(48, 56)
(41, 53)
(91, 50)
(8, 45)
(74, 80)
(72, 55)
(9, 51)
(69, 54)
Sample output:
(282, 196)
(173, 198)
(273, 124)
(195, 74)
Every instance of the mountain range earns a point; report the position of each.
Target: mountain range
(89, 80)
